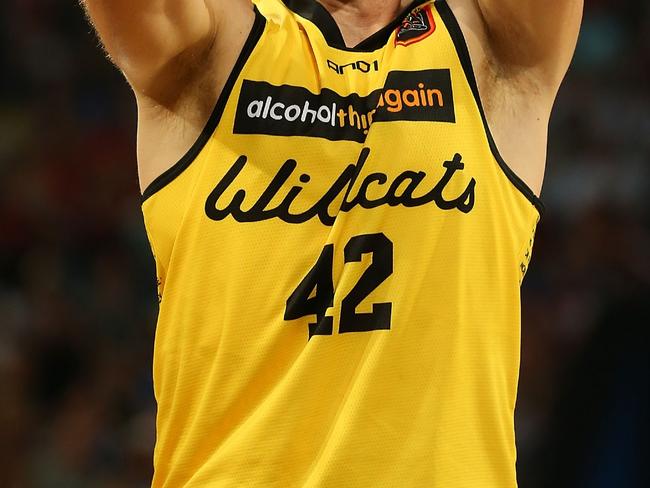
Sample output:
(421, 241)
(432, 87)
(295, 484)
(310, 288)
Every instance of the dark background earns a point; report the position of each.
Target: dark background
(77, 284)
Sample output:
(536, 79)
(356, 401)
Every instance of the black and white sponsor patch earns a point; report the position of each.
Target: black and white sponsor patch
(288, 110)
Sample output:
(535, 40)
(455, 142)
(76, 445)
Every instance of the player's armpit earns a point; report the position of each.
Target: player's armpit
(533, 34)
(158, 43)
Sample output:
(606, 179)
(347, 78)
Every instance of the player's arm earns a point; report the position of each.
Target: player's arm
(158, 43)
(538, 35)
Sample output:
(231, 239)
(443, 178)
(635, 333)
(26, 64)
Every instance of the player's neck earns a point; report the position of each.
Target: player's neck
(359, 19)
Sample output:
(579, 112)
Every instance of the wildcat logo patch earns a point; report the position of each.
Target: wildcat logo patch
(417, 25)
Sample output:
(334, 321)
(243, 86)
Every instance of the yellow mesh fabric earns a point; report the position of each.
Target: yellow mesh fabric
(379, 214)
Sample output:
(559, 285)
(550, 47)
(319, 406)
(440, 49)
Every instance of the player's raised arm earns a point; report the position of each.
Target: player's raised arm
(157, 43)
(533, 34)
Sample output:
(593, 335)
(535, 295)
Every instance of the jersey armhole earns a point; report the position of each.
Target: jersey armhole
(215, 117)
(462, 50)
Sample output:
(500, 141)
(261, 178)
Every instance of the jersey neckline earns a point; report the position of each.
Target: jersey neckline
(313, 11)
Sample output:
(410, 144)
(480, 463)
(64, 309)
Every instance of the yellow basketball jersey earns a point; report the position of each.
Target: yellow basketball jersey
(339, 259)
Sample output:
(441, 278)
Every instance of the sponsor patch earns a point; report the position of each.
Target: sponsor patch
(295, 111)
(418, 25)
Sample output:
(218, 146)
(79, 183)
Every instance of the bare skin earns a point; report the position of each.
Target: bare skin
(178, 54)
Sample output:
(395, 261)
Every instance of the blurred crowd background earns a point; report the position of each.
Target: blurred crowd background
(77, 285)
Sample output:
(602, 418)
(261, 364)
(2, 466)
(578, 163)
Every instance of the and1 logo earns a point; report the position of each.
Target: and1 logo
(417, 26)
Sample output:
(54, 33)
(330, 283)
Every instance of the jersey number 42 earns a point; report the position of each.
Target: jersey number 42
(315, 293)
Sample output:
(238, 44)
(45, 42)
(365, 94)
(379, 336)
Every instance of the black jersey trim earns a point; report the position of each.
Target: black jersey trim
(462, 50)
(319, 16)
(215, 117)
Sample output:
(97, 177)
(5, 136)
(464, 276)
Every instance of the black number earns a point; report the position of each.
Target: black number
(380, 269)
(315, 293)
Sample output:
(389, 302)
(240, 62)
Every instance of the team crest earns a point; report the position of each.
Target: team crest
(418, 25)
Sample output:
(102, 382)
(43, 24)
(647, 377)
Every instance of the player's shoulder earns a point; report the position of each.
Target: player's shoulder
(522, 37)
(235, 19)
